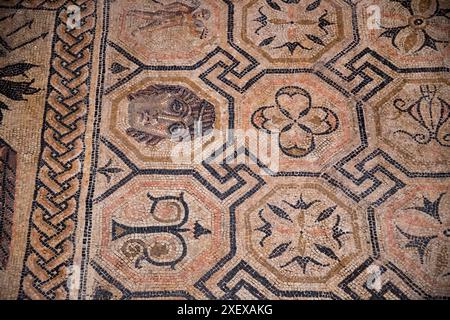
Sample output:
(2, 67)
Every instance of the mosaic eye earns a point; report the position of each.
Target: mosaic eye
(177, 129)
(199, 24)
(178, 107)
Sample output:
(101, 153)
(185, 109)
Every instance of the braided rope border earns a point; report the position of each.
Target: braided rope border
(50, 243)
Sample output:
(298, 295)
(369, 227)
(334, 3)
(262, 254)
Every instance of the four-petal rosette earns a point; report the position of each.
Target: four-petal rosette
(296, 121)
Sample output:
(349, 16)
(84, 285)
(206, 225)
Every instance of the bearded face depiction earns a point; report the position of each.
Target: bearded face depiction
(161, 112)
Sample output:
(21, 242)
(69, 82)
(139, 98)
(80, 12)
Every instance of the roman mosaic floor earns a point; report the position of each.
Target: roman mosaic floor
(224, 149)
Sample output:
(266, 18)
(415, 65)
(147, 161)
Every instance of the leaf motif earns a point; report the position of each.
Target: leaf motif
(106, 170)
(273, 5)
(199, 230)
(429, 42)
(266, 41)
(16, 69)
(390, 33)
(301, 204)
(117, 68)
(326, 213)
(266, 228)
(279, 212)
(113, 170)
(278, 251)
(315, 39)
(323, 22)
(327, 251)
(16, 90)
(3, 106)
(314, 5)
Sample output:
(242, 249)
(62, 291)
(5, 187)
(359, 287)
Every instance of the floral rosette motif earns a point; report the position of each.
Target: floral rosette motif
(414, 25)
(424, 231)
(296, 121)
